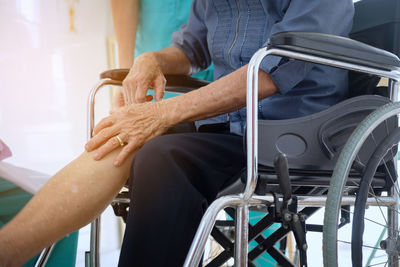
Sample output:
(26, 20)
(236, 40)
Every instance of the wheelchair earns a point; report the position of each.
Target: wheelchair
(343, 158)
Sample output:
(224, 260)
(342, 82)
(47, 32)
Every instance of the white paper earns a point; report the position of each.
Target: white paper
(29, 180)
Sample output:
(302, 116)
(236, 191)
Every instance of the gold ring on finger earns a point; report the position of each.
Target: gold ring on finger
(121, 143)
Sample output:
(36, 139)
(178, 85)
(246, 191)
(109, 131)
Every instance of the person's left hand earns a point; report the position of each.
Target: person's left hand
(134, 125)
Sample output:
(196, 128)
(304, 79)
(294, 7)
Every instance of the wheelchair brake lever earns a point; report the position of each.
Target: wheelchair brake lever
(282, 171)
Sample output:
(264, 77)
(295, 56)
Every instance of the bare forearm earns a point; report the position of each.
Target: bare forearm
(171, 60)
(71, 199)
(125, 20)
(224, 95)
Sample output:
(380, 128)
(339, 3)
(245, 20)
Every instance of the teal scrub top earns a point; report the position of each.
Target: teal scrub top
(157, 21)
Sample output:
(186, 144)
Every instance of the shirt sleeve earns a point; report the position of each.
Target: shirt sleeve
(323, 16)
(191, 38)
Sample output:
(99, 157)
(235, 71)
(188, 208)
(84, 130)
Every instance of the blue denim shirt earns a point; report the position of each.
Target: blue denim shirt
(229, 32)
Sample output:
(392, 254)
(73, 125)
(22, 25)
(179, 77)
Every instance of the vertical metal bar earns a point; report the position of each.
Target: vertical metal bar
(44, 256)
(87, 258)
(393, 221)
(241, 235)
(95, 243)
(393, 90)
(205, 228)
(251, 121)
(92, 257)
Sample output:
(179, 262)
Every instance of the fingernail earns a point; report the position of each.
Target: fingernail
(116, 163)
(96, 156)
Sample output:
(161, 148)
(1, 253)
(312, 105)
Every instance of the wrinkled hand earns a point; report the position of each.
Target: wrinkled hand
(145, 73)
(134, 125)
(118, 98)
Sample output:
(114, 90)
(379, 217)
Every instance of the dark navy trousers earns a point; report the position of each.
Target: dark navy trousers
(174, 178)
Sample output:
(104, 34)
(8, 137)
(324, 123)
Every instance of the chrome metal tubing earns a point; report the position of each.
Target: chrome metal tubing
(94, 253)
(394, 90)
(394, 74)
(251, 122)
(247, 197)
(207, 223)
(92, 101)
(252, 100)
(393, 221)
(320, 201)
(241, 235)
(121, 200)
(44, 256)
(94, 256)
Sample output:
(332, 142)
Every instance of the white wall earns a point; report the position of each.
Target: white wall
(46, 72)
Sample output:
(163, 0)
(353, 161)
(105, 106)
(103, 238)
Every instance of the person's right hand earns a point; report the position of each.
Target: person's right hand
(118, 100)
(145, 73)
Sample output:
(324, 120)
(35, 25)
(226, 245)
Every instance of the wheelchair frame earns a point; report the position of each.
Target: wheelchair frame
(246, 199)
(243, 201)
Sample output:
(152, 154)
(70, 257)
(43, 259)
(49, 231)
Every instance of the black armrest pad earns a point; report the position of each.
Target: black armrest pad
(175, 83)
(335, 47)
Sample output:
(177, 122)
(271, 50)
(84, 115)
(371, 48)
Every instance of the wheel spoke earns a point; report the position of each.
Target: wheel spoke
(376, 199)
(380, 263)
(383, 204)
(365, 246)
(384, 262)
(370, 220)
(348, 242)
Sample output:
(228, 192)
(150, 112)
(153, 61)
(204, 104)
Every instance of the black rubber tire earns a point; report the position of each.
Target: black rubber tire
(360, 205)
(339, 178)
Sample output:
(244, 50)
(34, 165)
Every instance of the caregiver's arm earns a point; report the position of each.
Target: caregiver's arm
(125, 21)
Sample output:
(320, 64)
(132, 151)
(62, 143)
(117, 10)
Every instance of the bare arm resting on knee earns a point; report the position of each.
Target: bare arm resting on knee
(72, 198)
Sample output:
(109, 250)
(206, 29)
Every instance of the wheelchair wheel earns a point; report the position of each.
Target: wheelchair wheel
(369, 155)
(380, 163)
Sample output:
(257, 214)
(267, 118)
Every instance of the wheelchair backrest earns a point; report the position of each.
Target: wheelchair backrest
(377, 23)
(314, 142)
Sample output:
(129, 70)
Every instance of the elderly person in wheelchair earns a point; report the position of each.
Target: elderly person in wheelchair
(175, 176)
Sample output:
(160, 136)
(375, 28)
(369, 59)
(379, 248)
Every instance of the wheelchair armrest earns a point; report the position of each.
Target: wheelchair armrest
(175, 83)
(114, 74)
(336, 48)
